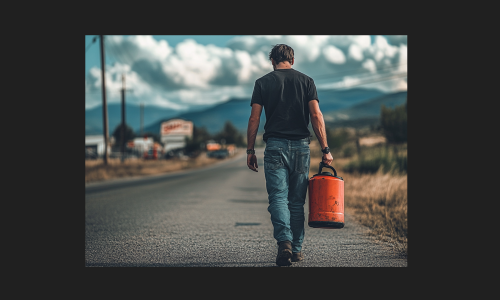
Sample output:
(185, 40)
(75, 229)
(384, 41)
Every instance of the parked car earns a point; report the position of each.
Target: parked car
(221, 154)
(178, 153)
(91, 153)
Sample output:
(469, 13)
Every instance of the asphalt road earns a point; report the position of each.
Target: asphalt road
(213, 217)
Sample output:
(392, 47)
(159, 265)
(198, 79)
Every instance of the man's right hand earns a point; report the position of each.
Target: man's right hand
(327, 158)
(252, 162)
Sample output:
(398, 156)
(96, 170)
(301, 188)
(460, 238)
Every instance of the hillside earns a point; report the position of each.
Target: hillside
(93, 117)
(331, 100)
(368, 110)
(237, 110)
(336, 105)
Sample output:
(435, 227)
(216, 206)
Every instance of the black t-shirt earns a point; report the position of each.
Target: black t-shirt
(285, 96)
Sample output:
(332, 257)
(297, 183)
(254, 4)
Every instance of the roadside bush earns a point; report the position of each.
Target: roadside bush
(378, 159)
(349, 151)
(372, 165)
(337, 138)
(394, 123)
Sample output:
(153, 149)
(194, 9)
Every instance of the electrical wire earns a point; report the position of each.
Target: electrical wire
(119, 53)
(92, 42)
(392, 77)
(353, 71)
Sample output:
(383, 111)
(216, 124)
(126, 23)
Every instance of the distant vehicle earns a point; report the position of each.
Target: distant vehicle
(91, 152)
(213, 146)
(175, 153)
(223, 153)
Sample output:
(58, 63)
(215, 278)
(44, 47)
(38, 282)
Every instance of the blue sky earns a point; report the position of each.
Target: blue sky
(181, 72)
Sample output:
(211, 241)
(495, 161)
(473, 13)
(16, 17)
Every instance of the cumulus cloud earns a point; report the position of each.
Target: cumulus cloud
(191, 73)
(355, 52)
(369, 64)
(334, 55)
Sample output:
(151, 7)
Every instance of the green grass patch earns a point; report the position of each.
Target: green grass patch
(374, 159)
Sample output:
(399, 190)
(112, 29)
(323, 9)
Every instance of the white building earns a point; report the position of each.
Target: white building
(141, 145)
(94, 145)
(174, 132)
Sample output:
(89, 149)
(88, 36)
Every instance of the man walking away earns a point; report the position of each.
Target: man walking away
(289, 98)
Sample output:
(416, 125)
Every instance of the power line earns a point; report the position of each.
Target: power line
(92, 42)
(114, 54)
(120, 53)
(128, 54)
(111, 92)
(392, 77)
(353, 71)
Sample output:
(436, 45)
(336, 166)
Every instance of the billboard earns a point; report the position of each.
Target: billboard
(174, 132)
(176, 127)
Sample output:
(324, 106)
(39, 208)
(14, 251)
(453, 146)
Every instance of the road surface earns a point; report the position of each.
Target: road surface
(213, 217)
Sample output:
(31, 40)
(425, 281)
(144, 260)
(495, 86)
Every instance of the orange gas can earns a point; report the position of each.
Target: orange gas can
(326, 199)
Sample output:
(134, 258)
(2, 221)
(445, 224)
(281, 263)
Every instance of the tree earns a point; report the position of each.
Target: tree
(129, 135)
(231, 135)
(394, 123)
(200, 135)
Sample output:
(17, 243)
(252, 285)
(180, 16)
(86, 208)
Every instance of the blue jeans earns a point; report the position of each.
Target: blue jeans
(286, 168)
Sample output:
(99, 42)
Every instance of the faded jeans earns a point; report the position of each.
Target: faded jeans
(286, 168)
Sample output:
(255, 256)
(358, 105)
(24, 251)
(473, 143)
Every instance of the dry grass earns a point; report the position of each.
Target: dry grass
(372, 140)
(95, 170)
(379, 201)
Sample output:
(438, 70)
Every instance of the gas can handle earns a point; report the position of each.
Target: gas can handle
(323, 165)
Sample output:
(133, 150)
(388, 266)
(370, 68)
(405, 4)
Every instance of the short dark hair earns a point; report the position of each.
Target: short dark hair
(281, 52)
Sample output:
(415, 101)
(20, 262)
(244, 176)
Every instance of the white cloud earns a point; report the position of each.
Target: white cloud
(403, 57)
(160, 100)
(138, 47)
(334, 55)
(355, 52)
(369, 64)
(191, 73)
(389, 86)
(382, 49)
(114, 82)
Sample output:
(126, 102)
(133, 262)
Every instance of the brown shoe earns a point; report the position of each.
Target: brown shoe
(284, 254)
(297, 256)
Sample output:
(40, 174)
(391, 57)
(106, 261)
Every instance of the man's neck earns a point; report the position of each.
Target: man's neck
(283, 65)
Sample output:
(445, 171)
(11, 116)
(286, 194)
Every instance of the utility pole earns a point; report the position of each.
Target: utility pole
(104, 105)
(123, 120)
(122, 131)
(142, 118)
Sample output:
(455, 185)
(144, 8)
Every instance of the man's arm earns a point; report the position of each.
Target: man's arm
(318, 124)
(253, 126)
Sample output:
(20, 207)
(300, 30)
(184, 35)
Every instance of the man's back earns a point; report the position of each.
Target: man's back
(284, 94)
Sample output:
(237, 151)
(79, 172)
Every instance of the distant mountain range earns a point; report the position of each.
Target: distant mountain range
(235, 110)
(366, 109)
(331, 100)
(93, 117)
(337, 106)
